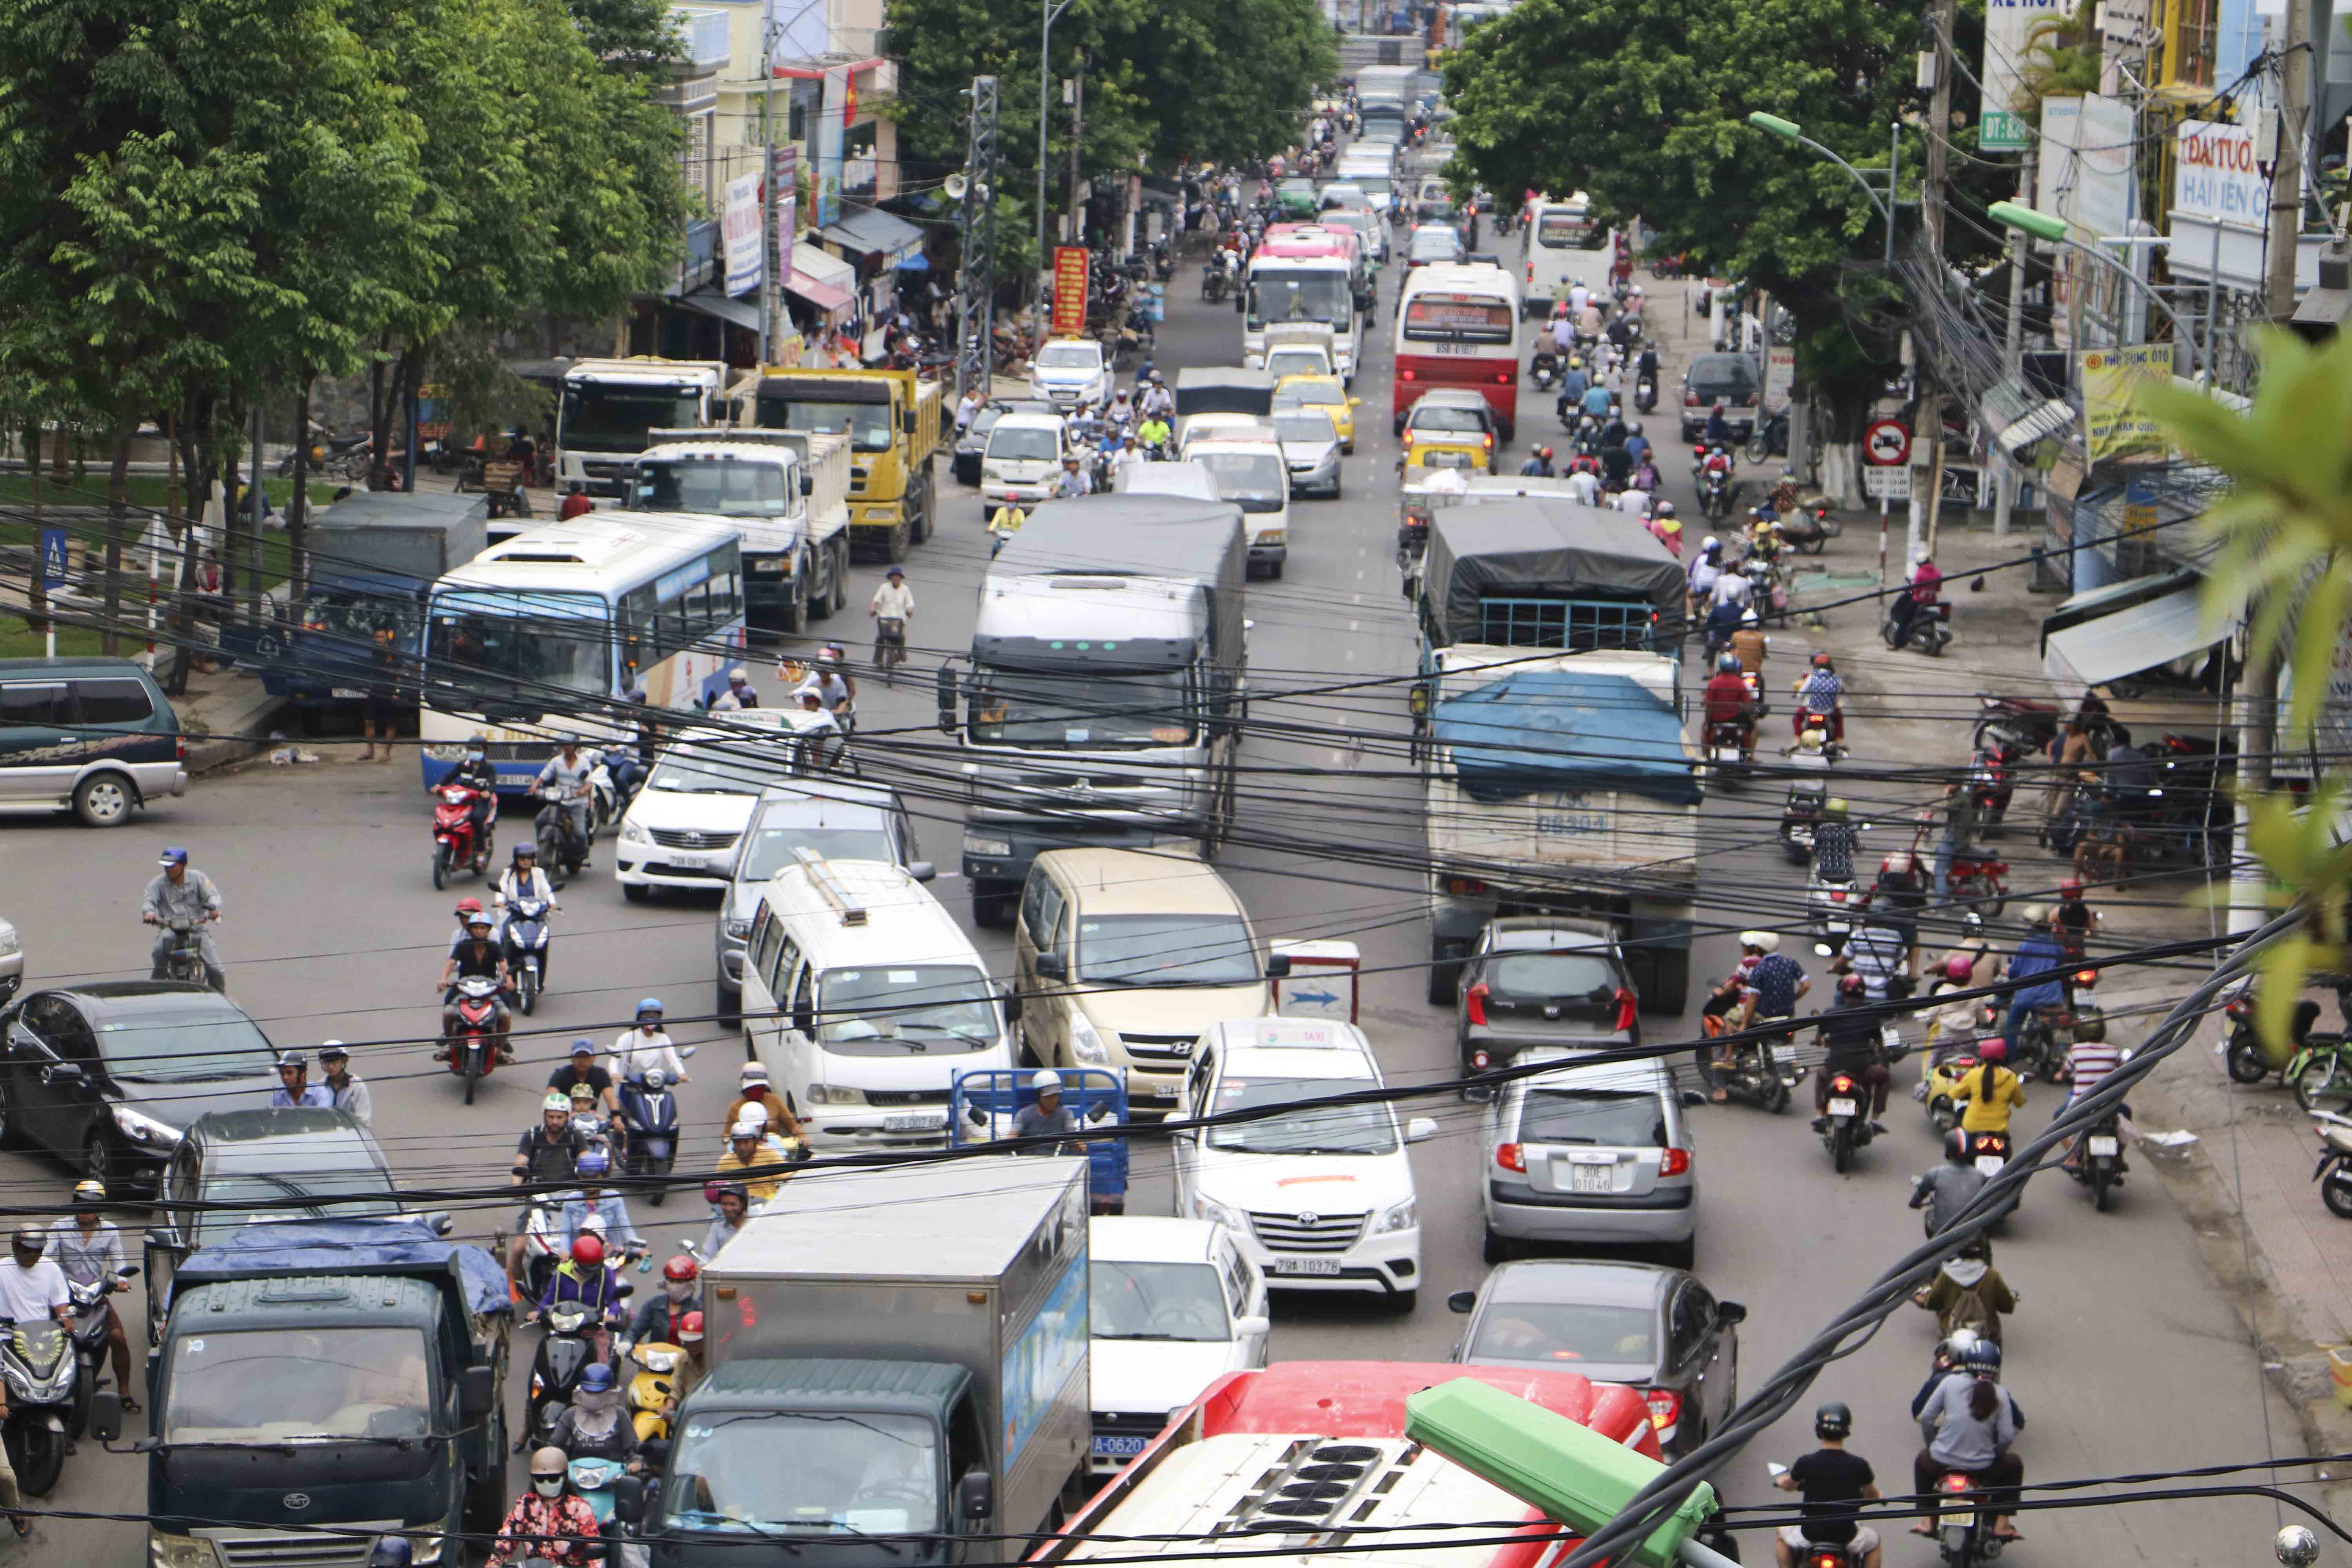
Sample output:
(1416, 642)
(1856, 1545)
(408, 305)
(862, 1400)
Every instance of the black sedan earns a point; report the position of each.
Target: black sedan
(106, 1075)
(1654, 1329)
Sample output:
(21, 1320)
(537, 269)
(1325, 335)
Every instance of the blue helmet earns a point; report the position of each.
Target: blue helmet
(649, 1004)
(391, 1551)
(596, 1378)
(593, 1162)
(1983, 1358)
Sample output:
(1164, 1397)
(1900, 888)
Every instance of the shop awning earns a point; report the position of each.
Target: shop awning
(2046, 420)
(744, 313)
(866, 231)
(2122, 642)
(823, 296)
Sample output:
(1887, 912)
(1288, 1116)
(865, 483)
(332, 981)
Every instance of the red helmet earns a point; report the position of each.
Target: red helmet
(1823, 660)
(1852, 985)
(681, 1268)
(469, 906)
(2072, 888)
(1994, 1051)
(689, 1328)
(1959, 969)
(587, 1251)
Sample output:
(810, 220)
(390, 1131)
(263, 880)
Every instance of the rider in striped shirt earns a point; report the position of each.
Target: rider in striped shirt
(2090, 1060)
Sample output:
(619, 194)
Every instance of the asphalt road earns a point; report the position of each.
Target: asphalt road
(2124, 1355)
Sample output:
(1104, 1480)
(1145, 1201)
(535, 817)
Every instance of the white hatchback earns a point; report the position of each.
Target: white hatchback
(680, 830)
(1174, 1305)
(1321, 1198)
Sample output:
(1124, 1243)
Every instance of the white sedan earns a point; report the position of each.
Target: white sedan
(680, 830)
(1174, 1305)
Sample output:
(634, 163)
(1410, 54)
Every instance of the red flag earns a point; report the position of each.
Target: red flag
(849, 101)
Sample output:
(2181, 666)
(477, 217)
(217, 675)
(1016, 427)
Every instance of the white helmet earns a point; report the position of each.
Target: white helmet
(1047, 1082)
(753, 1072)
(1769, 940)
(748, 1125)
(1710, 543)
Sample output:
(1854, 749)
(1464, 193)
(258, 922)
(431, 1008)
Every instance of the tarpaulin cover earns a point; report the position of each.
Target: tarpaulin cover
(1565, 729)
(1529, 547)
(352, 1247)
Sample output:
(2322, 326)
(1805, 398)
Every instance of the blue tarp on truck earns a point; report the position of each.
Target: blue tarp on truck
(351, 1247)
(1537, 729)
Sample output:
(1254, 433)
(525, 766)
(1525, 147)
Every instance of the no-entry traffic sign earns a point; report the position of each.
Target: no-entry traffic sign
(1887, 444)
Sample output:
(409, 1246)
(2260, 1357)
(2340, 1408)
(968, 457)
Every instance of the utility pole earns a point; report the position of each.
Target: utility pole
(2286, 169)
(976, 303)
(768, 301)
(1930, 421)
(2013, 348)
(1077, 133)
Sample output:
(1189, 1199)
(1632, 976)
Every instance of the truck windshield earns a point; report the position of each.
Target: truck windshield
(278, 1385)
(1317, 1130)
(614, 418)
(722, 486)
(1319, 296)
(894, 1009)
(344, 613)
(1156, 1301)
(868, 424)
(1167, 949)
(1025, 443)
(472, 654)
(760, 1472)
(1093, 711)
(1255, 481)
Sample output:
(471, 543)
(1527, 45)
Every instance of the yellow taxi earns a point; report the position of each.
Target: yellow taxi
(1451, 421)
(1327, 392)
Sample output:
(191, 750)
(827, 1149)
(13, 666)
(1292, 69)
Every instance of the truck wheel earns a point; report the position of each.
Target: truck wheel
(993, 902)
(918, 506)
(841, 575)
(796, 608)
(897, 542)
(1444, 975)
(1670, 985)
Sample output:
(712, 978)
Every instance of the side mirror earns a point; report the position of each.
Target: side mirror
(1461, 1300)
(684, 1052)
(1729, 1312)
(440, 1222)
(808, 483)
(947, 699)
(1479, 1094)
(923, 870)
(624, 1290)
(1421, 1129)
(1243, 1327)
(477, 1392)
(106, 1416)
(1279, 966)
(130, 1270)
(975, 1497)
(629, 1499)
(1053, 966)
(907, 420)
(1011, 1000)
(1355, 403)
(1694, 1097)
(804, 1020)
(62, 1072)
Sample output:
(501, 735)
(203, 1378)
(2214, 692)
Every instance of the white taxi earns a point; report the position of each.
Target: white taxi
(1321, 1197)
(680, 829)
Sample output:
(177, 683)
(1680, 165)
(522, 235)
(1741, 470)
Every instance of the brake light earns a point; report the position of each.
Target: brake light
(1511, 1157)
(1825, 1560)
(1673, 1162)
(1955, 1482)
(1408, 437)
(1666, 1411)
(1837, 895)
(1464, 887)
(1481, 1060)
(2086, 977)
(1408, 374)
(1625, 1009)
(1841, 1085)
(179, 748)
(1485, 441)
(1475, 1000)
(1690, 399)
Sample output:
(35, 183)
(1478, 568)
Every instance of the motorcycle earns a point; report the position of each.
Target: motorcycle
(1768, 438)
(652, 1385)
(2334, 1171)
(474, 1049)
(456, 846)
(1931, 630)
(1811, 524)
(526, 951)
(889, 645)
(38, 1363)
(2099, 1164)
(1544, 369)
(649, 1116)
(186, 961)
(1766, 591)
(607, 801)
(1980, 881)
(1728, 751)
(1964, 1522)
(594, 1481)
(564, 1351)
(562, 848)
(1645, 391)
(1832, 907)
(1763, 1071)
(1848, 1130)
(2248, 1061)
(87, 1326)
(542, 1244)
(1716, 493)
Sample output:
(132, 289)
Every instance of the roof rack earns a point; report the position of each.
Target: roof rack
(821, 876)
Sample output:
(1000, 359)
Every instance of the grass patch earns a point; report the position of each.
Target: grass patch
(19, 640)
(149, 490)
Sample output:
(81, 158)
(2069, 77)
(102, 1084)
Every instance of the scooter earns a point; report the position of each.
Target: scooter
(38, 1363)
(526, 939)
(561, 849)
(1830, 907)
(87, 1327)
(2249, 1063)
(1931, 630)
(2334, 1171)
(474, 1049)
(456, 846)
(1544, 370)
(2099, 1165)
(1729, 751)
(652, 1385)
(649, 1115)
(1964, 1534)
(563, 1354)
(1763, 1071)
(608, 802)
(1645, 393)
(593, 1481)
(1848, 1130)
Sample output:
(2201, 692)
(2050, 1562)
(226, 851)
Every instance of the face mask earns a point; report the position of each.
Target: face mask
(676, 1289)
(597, 1403)
(547, 1485)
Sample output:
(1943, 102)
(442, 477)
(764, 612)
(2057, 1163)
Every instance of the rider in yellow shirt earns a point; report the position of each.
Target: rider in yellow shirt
(1988, 1093)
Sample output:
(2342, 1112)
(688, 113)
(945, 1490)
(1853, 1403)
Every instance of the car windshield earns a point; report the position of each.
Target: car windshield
(1602, 1118)
(981, 423)
(294, 1384)
(772, 846)
(615, 418)
(714, 770)
(1722, 376)
(1550, 976)
(1439, 417)
(231, 1200)
(1427, 246)
(1257, 480)
(1156, 1301)
(868, 424)
(1564, 1332)
(1302, 428)
(908, 1008)
(1322, 394)
(181, 1044)
(759, 1472)
(475, 657)
(724, 487)
(1068, 356)
(1166, 950)
(1025, 443)
(1321, 296)
(1310, 1130)
(1090, 711)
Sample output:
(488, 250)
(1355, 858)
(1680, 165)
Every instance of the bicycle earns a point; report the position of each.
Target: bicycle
(889, 645)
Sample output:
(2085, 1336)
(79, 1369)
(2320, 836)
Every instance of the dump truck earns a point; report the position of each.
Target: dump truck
(892, 418)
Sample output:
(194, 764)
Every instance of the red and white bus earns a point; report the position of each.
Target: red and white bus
(1305, 272)
(1459, 327)
(1305, 1454)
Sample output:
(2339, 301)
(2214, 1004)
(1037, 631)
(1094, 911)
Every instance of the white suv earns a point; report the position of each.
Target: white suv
(1320, 1198)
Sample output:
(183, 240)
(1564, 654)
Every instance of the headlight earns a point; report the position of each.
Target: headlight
(1089, 1043)
(834, 1094)
(1210, 1209)
(632, 830)
(1268, 536)
(179, 1552)
(736, 929)
(144, 1129)
(9, 946)
(425, 1550)
(973, 844)
(1401, 1217)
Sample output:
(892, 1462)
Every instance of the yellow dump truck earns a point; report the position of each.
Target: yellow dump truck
(893, 420)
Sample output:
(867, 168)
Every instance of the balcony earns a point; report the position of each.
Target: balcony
(702, 39)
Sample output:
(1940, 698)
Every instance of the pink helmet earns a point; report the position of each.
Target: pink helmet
(1959, 970)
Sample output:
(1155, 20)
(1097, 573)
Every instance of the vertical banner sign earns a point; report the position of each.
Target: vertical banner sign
(740, 226)
(786, 174)
(2114, 421)
(53, 558)
(1069, 290)
(2009, 26)
(1780, 376)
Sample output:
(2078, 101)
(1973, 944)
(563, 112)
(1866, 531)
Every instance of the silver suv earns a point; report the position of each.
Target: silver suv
(1592, 1153)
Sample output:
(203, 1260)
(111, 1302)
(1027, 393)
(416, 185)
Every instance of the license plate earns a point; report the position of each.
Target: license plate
(1840, 1108)
(767, 568)
(688, 858)
(1591, 1178)
(2083, 997)
(921, 1121)
(1119, 1447)
(1776, 1055)
(345, 693)
(1991, 1164)
(2100, 1145)
(1327, 1266)
(1163, 1092)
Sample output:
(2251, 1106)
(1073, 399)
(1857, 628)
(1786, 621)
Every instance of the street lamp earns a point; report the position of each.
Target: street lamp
(2042, 226)
(1044, 77)
(1789, 130)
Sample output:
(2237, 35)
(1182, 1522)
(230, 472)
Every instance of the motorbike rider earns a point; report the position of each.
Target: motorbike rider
(640, 1050)
(477, 954)
(1989, 1091)
(1968, 1424)
(1573, 384)
(732, 1201)
(523, 879)
(1728, 701)
(547, 1523)
(1074, 481)
(2088, 1060)
(747, 1153)
(1849, 1032)
(739, 694)
(1833, 1482)
(580, 1070)
(1749, 643)
(752, 1089)
(1128, 455)
(659, 1319)
(2072, 920)
(2038, 953)
(1950, 1187)
(476, 773)
(549, 1153)
(32, 1284)
(1723, 618)
(587, 1279)
(177, 893)
(1819, 695)
(596, 1207)
(1718, 426)
(1705, 567)
(1156, 402)
(596, 1424)
(88, 1247)
(1774, 986)
(1539, 463)
(294, 1085)
(566, 777)
(1155, 434)
(1926, 580)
